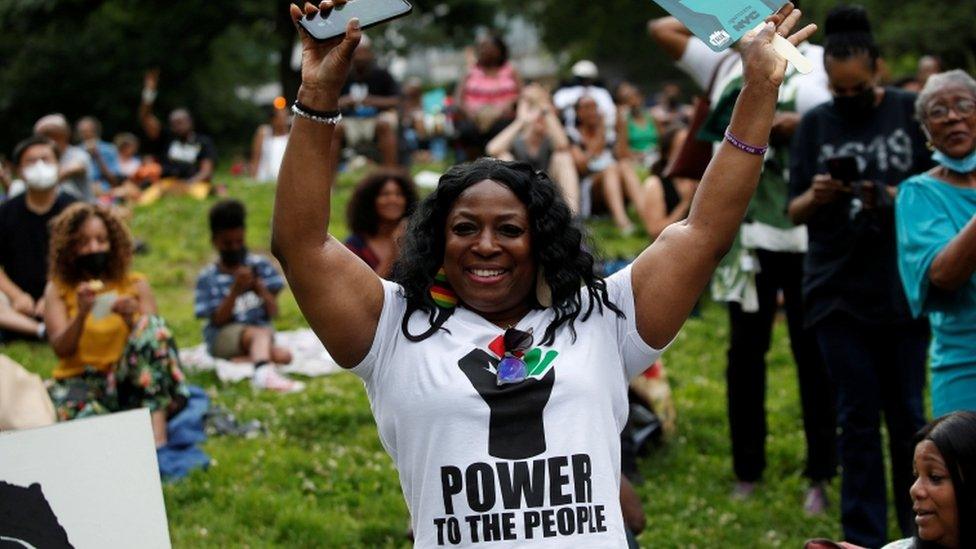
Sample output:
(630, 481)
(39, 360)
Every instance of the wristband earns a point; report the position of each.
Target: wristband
(148, 95)
(313, 112)
(322, 117)
(745, 147)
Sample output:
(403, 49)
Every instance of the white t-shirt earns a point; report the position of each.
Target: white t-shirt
(537, 467)
(809, 90)
(565, 99)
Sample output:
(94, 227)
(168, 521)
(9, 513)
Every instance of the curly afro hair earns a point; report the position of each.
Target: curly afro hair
(361, 211)
(66, 236)
(557, 246)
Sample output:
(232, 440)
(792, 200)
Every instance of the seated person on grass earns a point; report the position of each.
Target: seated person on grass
(369, 103)
(115, 353)
(24, 223)
(238, 296)
(187, 157)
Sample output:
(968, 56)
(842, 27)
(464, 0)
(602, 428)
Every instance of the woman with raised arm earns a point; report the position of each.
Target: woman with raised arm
(497, 362)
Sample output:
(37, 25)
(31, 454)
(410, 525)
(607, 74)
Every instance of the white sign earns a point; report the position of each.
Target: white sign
(92, 481)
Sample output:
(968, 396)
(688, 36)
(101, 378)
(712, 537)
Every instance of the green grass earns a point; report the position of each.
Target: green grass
(319, 477)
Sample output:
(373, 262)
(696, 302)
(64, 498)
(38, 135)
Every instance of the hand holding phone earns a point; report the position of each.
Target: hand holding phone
(826, 189)
(324, 25)
(844, 169)
(325, 65)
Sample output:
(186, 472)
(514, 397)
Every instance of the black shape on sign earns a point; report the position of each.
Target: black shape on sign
(27, 521)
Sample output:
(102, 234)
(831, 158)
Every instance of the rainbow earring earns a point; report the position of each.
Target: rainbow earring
(441, 291)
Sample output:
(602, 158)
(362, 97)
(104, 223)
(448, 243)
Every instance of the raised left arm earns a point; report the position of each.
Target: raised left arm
(670, 275)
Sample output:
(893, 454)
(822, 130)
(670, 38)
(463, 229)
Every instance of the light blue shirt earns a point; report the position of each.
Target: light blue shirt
(929, 213)
(110, 155)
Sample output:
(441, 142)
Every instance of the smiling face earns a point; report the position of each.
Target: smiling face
(93, 237)
(934, 497)
(950, 131)
(391, 204)
(488, 252)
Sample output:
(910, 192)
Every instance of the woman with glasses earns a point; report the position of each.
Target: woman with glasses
(496, 362)
(936, 221)
(847, 159)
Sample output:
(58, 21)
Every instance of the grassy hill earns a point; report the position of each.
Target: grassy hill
(319, 477)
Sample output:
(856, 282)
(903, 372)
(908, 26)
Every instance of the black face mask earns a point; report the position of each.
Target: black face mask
(233, 258)
(94, 264)
(858, 106)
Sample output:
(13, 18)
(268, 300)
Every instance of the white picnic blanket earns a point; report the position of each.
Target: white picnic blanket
(309, 358)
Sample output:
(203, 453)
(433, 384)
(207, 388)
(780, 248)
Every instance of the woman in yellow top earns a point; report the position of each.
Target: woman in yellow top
(115, 353)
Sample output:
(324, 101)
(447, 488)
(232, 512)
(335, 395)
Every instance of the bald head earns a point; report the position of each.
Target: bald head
(54, 127)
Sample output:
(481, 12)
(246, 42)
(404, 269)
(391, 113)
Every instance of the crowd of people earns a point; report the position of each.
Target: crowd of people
(858, 220)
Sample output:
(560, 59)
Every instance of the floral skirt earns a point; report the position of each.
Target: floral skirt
(148, 375)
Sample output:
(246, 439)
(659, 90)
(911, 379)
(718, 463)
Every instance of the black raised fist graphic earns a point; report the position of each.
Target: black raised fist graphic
(516, 430)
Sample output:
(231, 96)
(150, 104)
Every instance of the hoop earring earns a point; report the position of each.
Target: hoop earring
(543, 292)
(441, 291)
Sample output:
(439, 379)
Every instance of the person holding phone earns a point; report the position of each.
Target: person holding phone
(115, 352)
(238, 297)
(497, 353)
(873, 348)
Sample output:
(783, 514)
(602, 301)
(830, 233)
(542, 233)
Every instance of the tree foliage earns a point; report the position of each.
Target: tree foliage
(87, 56)
(614, 33)
(83, 57)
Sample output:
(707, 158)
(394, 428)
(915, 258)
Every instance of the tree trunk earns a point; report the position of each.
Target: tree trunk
(285, 31)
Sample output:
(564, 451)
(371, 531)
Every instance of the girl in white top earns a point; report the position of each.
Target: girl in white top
(497, 362)
(268, 146)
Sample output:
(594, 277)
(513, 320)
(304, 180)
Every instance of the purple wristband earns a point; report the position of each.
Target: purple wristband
(758, 151)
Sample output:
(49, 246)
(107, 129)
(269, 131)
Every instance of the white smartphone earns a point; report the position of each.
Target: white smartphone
(369, 12)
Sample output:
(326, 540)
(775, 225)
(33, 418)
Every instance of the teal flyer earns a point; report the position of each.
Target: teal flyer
(721, 23)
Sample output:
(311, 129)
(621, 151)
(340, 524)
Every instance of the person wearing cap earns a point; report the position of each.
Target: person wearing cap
(74, 161)
(585, 81)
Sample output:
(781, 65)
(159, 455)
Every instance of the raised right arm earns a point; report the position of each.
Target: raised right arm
(669, 33)
(340, 296)
(150, 124)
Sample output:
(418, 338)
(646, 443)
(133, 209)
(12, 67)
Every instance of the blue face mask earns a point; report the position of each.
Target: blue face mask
(966, 164)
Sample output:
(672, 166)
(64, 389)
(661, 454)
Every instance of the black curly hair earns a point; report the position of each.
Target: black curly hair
(557, 246)
(361, 211)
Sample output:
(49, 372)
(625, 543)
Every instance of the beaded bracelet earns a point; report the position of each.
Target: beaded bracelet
(322, 117)
(742, 146)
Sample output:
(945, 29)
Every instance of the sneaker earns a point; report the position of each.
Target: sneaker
(815, 501)
(267, 377)
(743, 490)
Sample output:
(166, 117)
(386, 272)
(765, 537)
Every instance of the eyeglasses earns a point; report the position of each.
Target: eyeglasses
(940, 113)
(512, 367)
